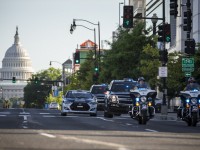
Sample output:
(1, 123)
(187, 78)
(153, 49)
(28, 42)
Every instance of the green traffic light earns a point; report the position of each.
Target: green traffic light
(77, 61)
(96, 69)
(168, 39)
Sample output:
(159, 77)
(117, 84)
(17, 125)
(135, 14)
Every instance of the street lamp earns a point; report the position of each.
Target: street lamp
(2, 93)
(119, 14)
(154, 20)
(73, 27)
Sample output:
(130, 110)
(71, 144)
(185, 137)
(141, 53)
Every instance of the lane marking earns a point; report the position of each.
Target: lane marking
(128, 124)
(48, 135)
(104, 119)
(44, 113)
(3, 115)
(151, 130)
(89, 141)
(48, 116)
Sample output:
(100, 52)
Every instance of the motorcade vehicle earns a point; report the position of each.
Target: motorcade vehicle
(54, 105)
(99, 90)
(117, 99)
(190, 110)
(143, 104)
(79, 101)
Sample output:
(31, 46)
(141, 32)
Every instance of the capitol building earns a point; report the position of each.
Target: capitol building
(16, 63)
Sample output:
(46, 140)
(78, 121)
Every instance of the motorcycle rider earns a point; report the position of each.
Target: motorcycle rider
(192, 85)
(141, 83)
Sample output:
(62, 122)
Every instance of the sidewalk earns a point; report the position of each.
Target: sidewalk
(168, 116)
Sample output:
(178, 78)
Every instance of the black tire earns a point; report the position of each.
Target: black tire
(63, 114)
(194, 119)
(93, 114)
(108, 115)
(189, 122)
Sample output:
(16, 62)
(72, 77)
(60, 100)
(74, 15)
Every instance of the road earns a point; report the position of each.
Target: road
(45, 129)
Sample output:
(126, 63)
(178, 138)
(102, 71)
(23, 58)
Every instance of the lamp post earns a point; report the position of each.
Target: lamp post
(63, 73)
(2, 93)
(98, 24)
(154, 21)
(119, 14)
(73, 27)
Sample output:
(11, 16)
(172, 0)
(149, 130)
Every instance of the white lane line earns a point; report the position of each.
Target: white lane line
(48, 135)
(104, 119)
(3, 115)
(151, 130)
(44, 113)
(48, 116)
(25, 127)
(89, 141)
(25, 118)
(128, 124)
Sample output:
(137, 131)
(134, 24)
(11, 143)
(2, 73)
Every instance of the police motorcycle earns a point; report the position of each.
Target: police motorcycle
(190, 110)
(142, 108)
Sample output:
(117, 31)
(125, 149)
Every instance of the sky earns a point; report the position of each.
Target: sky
(44, 27)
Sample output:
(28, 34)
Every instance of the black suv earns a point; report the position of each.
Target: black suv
(99, 90)
(117, 99)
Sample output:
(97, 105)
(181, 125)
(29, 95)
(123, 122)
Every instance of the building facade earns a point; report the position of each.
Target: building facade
(16, 63)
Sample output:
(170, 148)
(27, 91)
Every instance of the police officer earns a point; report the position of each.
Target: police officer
(192, 85)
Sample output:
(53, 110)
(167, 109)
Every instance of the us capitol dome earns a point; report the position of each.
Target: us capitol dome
(16, 63)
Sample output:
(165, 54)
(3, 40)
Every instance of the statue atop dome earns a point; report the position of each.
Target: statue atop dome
(16, 36)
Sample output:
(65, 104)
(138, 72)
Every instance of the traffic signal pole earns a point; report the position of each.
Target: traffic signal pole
(164, 106)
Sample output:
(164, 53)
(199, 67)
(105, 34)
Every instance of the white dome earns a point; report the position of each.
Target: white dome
(16, 61)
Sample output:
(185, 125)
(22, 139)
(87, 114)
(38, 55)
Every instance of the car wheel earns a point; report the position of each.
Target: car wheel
(93, 114)
(63, 114)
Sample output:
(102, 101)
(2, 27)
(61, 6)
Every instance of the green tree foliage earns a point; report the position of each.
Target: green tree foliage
(123, 60)
(149, 64)
(35, 95)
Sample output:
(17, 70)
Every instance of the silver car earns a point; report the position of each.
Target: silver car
(79, 101)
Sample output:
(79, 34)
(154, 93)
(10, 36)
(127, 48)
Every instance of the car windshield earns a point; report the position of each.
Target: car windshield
(122, 87)
(99, 89)
(78, 95)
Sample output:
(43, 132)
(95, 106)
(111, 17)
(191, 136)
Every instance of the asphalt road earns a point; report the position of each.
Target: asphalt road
(47, 130)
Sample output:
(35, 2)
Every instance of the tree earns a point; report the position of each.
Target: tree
(35, 95)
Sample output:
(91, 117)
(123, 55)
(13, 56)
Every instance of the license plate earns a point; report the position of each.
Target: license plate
(194, 108)
(80, 106)
(144, 106)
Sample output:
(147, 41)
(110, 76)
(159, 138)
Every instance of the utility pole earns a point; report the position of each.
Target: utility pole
(164, 106)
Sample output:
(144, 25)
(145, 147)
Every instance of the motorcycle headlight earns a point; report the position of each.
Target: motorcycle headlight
(113, 98)
(194, 100)
(187, 100)
(137, 99)
(143, 99)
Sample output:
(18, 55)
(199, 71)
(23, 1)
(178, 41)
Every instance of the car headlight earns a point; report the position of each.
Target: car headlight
(114, 98)
(194, 100)
(143, 99)
(93, 102)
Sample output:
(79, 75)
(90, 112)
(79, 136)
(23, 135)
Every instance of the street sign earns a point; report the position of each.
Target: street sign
(162, 71)
(187, 62)
(188, 69)
(187, 74)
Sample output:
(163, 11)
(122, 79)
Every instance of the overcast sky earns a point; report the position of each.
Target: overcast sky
(43, 26)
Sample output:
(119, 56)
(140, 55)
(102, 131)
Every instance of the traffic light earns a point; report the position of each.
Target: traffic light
(163, 56)
(128, 17)
(187, 20)
(190, 46)
(77, 58)
(174, 8)
(160, 33)
(95, 77)
(167, 33)
(36, 81)
(96, 69)
(14, 80)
